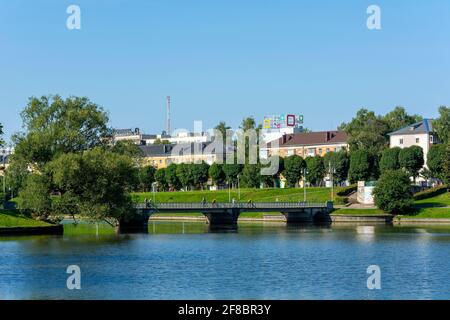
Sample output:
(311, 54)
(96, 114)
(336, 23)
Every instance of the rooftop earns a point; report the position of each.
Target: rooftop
(311, 138)
(424, 126)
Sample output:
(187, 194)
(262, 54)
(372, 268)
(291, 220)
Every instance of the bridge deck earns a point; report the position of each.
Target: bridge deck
(241, 206)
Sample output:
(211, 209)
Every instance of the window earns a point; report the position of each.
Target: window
(431, 139)
(401, 141)
(320, 151)
(290, 152)
(311, 152)
(328, 150)
(417, 140)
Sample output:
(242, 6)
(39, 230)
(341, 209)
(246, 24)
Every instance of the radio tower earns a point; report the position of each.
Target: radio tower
(168, 115)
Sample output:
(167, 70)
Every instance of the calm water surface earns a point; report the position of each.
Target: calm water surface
(185, 260)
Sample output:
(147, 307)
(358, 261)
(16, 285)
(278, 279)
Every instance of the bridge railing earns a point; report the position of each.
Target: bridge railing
(235, 205)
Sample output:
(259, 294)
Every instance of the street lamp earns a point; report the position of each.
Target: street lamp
(239, 190)
(304, 184)
(332, 171)
(154, 192)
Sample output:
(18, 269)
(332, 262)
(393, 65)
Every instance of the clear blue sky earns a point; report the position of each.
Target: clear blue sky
(226, 59)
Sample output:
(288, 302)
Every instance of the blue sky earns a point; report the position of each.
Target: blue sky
(226, 59)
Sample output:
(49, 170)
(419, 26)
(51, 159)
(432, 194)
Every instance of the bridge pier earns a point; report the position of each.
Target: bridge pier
(224, 217)
(138, 223)
(311, 214)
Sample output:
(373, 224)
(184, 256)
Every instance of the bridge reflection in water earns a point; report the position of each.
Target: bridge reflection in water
(225, 215)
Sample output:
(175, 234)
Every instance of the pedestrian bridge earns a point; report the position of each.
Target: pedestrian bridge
(226, 213)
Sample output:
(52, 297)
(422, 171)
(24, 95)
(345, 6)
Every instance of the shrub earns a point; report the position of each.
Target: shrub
(346, 191)
(429, 193)
(393, 192)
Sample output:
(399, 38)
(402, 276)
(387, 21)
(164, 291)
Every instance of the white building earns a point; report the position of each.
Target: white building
(418, 134)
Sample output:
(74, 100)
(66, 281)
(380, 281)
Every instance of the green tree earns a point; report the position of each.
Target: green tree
(232, 170)
(367, 131)
(390, 159)
(199, 174)
(412, 160)
(171, 177)
(56, 126)
(393, 192)
(339, 163)
(361, 166)
(223, 127)
(446, 175)
(146, 178)
(399, 118)
(98, 182)
(436, 161)
(160, 177)
(251, 176)
(293, 169)
(216, 173)
(442, 125)
(272, 180)
(185, 175)
(315, 170)
(128, 148)
(35, 197)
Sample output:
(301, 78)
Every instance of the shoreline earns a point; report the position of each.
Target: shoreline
(40, 230)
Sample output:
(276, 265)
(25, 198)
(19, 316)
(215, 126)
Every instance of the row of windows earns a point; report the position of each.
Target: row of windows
(417, 140)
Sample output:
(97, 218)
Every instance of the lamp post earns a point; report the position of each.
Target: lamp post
(304, 184)
(239, 188)
(331, 171)
(154, 192)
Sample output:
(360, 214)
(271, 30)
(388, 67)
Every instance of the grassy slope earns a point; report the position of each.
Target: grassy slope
(438, 201)
(256, 195)
(358, 211)
(10, 218)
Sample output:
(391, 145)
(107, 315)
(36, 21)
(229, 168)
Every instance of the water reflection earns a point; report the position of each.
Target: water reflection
(181, 260)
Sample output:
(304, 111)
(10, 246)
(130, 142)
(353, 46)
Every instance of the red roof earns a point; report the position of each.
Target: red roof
(311, 138)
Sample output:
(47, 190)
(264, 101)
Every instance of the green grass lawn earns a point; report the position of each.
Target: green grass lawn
(12, 218)
(358, 211)
(256, 195)
(429, 213)
(441, 200)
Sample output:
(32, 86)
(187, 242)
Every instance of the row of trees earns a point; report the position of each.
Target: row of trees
(369, 143)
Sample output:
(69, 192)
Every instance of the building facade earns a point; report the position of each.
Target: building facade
(308, 144)
(161, 156)
(418, 134)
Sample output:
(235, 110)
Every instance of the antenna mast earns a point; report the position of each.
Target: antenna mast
(168, 115)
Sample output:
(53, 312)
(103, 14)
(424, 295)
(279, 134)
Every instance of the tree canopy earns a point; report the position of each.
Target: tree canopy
(293, 169)
(442, 124)
(392, 192)
(389, 159)
(412, 160)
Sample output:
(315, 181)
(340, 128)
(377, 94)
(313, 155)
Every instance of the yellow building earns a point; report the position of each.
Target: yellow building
(161, 156)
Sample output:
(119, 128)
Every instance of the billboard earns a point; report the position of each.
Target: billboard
(282, 121)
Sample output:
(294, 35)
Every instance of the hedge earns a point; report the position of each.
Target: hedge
(344, 192)
(429, 193)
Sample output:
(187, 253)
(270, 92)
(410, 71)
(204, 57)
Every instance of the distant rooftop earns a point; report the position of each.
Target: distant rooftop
(311, 138)
(424, 126)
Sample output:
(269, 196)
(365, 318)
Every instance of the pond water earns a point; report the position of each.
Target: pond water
(186, 260)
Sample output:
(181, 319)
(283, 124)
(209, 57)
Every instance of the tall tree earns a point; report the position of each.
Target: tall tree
(360, 166)
(411, 159)
(436, 161)
(160, 178)
(293, 169)
(399, 118)
(390, 159)
(171, 176)
(222, 127)
(367, 131)
(446, 174)
(251, 176)
(199, 173)
(56, 126)
(216, 173)
(338, 163)
(232, 170)
(442, 124)
(315, 170)
(185, 175)
(146, 178)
